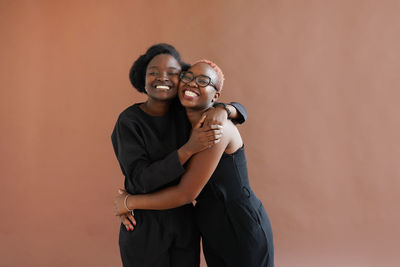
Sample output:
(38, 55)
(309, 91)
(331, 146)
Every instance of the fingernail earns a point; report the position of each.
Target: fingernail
(127, 228)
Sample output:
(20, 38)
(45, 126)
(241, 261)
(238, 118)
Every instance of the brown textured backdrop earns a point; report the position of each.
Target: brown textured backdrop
(320, 80)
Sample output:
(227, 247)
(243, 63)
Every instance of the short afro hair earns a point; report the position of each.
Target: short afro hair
(220, 74)
(137, 73)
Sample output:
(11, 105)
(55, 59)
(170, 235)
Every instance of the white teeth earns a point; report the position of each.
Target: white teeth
(163, 87)
(190, 93)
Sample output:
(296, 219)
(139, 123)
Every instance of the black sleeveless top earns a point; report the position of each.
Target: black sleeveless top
(230, 179)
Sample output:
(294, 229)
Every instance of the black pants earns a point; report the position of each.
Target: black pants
(236, 233)
(161, 239)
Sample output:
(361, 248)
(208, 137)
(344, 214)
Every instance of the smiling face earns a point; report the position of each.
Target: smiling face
(194, 96)
(162, 77)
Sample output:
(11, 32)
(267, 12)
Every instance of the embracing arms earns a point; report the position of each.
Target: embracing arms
(143, 175)
(199, 171)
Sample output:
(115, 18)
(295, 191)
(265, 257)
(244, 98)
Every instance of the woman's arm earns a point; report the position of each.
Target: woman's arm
(143, 175)
(199, 170)
(200, 138)
(221, 112)
(238, 112)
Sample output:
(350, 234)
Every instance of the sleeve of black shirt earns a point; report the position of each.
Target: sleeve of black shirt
(241, 110)
(142, 175)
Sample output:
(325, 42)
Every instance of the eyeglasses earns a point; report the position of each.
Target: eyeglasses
(201, 80)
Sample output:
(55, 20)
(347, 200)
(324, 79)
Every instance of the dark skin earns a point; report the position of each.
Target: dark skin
(161, 85)
(201, 165)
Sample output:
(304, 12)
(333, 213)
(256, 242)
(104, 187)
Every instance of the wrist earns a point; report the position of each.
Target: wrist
(126, 203)
(187, 150)
(130, 203)
(184, 153)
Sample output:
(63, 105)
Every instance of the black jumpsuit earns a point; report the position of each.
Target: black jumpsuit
(234, 226)
(146, 148)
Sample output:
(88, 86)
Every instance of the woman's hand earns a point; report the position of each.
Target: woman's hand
(119, 203)
(203, 136)
(128, 220)
(216, 116)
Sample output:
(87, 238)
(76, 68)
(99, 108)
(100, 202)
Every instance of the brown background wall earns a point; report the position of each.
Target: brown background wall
(320, 80)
